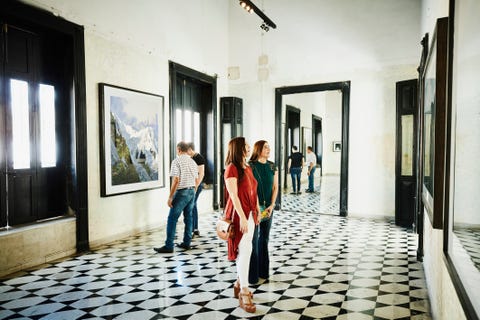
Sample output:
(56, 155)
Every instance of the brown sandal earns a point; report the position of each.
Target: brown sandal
(236, 290)
(246, 302)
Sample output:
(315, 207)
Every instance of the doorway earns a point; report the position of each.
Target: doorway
(292, 134)
(43, 168)
(405, 153)
(281, 141)
(317, 139)
(193, 106)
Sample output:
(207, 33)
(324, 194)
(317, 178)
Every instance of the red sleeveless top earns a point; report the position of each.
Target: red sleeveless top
(247, 194)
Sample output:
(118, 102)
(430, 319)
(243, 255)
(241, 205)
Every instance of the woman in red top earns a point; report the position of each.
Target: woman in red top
(242, 207)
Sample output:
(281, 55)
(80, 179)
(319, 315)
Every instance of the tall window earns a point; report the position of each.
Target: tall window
(20, 124)
(48, 150)
(20, 110)
(188, 127)
(33, 179)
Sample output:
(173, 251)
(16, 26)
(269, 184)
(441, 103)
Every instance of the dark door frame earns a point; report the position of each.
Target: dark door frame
(419, 209)
(177, 70)
(314, 139)
(78, 186)
(402, 182)
(344, 87)
(290, 109)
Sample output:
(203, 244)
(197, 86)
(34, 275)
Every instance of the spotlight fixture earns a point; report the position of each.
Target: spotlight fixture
(251, 8)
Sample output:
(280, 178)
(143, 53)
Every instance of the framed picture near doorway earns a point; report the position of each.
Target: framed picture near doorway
(336, 146)
(435, 124)
(131, 133)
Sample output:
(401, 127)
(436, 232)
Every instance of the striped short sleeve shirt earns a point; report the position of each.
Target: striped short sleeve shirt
(185, 169)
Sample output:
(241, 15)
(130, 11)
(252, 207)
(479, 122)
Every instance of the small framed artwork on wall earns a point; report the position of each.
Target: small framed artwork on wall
(336, 146)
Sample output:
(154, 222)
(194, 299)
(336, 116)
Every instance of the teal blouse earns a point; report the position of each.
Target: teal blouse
(264, 174)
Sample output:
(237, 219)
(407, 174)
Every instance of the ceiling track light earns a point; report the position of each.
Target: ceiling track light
(251, 8)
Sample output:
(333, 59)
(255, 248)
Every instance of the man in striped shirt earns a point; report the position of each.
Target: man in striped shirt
(184, 173)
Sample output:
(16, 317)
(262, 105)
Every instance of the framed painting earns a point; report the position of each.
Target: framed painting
(435, 124)
(336, 146)
(131, 133)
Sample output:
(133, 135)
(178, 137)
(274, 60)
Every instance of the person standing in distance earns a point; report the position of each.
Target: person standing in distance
(312, 166)
(200, 161)
(266, 175)
(294, 166)
(184, 173)
(242, 208)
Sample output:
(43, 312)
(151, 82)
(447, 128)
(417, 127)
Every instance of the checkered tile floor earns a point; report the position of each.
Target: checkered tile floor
(325, 199)
(470, 240)
(322, 267)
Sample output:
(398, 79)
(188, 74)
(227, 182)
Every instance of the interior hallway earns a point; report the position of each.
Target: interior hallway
(322, 267)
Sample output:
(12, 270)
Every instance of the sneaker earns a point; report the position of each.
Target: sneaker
(184, 246)
(163, 250)
(196, 233)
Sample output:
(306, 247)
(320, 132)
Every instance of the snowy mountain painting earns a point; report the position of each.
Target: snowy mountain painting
(134, 140)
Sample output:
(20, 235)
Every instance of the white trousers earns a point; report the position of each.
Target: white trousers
(244, 253)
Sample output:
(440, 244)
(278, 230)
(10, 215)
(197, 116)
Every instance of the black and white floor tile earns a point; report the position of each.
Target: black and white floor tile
(322, 267)
(470, 240)
(325, 199)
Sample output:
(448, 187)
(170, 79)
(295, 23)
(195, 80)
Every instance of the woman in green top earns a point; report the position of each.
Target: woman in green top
(267, 188)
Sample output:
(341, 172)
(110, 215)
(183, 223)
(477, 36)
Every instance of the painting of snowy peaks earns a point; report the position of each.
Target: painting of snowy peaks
(131, 135)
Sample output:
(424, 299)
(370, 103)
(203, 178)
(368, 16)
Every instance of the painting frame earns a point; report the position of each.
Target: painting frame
(131, 133)
(435, 125)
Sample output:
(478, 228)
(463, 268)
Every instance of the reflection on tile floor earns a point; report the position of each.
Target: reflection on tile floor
(325, 199)
(470, 239)
(322, 267)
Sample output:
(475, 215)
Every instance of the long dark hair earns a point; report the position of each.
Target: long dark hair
(257, 150)
(236, 155)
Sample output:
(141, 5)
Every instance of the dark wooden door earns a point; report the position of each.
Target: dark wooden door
(32, 115)
(18, 128)
(193, 120)
(318, 140)
(405, 164)
(292, 134)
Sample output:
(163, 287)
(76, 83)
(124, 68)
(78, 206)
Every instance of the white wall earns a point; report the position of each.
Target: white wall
(332, 131)
(129, 44)
(372, 43)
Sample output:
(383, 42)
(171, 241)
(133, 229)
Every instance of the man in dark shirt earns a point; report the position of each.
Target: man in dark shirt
(200, 161)
(295, 165)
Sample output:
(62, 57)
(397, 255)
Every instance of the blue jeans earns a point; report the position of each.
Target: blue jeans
(296, 173)
(183, 200)
(195, 210)
(259, 260)
(311, 178)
